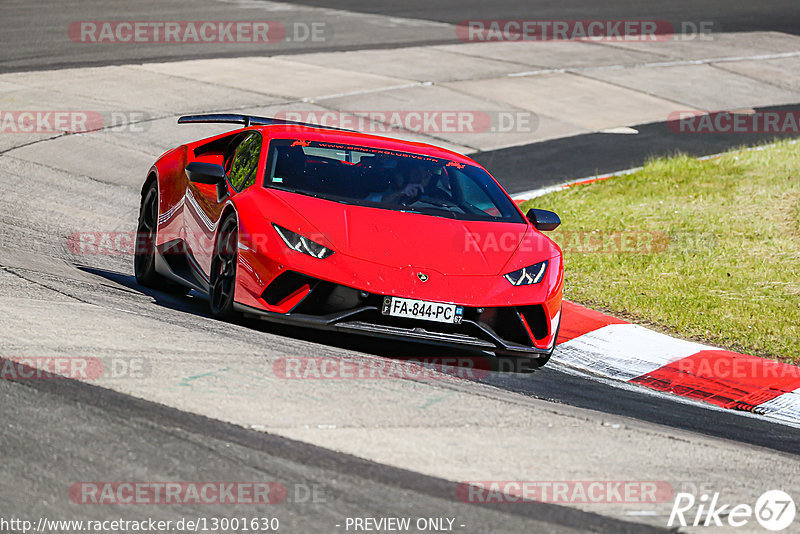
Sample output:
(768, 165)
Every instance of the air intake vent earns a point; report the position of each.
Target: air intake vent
(284, 285)
(505, 322)
(536, 319)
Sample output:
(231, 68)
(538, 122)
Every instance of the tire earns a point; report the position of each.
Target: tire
(223, 269)
(144, 258)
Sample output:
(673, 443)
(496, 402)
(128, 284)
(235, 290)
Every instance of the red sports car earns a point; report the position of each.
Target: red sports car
(339, 230)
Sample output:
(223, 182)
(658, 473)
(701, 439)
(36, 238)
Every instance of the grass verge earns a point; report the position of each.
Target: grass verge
(707, 250)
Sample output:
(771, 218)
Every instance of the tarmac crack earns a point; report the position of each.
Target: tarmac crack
(35, 282)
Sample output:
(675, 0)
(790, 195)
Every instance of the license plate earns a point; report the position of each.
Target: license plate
(419, 309)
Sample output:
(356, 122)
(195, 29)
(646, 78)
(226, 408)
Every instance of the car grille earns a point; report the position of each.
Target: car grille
(480, 326)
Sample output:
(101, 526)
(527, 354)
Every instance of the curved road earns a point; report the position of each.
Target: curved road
(60, 432)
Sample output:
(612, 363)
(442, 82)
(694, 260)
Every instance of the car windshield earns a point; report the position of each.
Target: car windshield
(387, 179)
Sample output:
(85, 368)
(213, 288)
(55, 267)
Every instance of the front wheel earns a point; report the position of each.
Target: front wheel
(223, 269)
(144, 259)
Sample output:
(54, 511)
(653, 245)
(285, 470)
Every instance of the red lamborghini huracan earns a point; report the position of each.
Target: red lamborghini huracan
(340, 230)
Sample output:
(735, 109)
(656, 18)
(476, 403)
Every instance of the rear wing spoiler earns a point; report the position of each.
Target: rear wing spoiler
(249, 120)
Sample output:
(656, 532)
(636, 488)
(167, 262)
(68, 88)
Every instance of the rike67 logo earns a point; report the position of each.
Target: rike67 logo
(774, 510)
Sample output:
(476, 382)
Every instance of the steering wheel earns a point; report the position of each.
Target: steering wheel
(406, 200)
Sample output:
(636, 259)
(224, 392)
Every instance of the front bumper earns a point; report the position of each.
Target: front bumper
(304, 301)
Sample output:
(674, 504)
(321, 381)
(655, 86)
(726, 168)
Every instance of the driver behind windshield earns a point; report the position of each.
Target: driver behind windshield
(418, 178)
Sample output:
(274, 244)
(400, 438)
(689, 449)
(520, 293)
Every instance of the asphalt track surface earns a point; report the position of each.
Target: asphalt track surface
(66, 431)
(95, 434)
(727, 16)
(548, 383)
(33, 33)
(556, 161)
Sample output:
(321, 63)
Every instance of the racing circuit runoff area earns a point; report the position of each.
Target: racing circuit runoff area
(167, 415)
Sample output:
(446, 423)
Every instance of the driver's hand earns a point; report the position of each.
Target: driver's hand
(412, 190)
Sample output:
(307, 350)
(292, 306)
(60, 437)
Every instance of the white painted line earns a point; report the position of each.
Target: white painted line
(632, 386)
(534, 193)
(624, 351)
(656, 64)
(620, 130)
(536, 72)
(313, 99)
(785, 407)
(725, 59)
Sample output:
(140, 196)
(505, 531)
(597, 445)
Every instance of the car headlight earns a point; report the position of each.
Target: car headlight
(528, 275)
(301, 243)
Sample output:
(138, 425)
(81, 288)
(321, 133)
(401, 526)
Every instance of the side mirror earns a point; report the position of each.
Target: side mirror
(200, 172)
(543, 220)
(205, 173)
